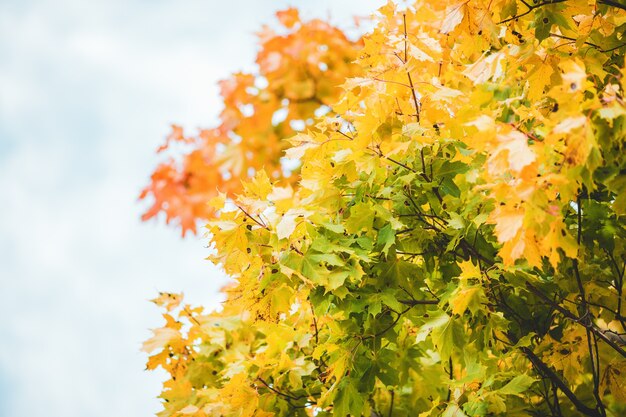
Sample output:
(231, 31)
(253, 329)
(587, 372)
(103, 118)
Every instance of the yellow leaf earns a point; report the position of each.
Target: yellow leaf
(418, 54)
(513, 249)
(161, 338)
(538, 79)
(453, 17)
(483, 123)
(168, 300)
(286, 225)
(570, 124)
(260, 186)
(515, 145)
(508, 222)
(469, 270)
(574, 75)
(488, 67)
(300, 144)
(613, 380)
(190, 409)
(280, 193)
(464, 297)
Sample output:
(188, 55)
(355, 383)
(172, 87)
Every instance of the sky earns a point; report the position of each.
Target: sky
(88, 90)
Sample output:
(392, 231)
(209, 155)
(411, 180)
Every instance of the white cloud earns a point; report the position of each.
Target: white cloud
(88, 89)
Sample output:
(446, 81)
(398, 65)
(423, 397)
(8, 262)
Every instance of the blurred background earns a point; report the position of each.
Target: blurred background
(88, 90)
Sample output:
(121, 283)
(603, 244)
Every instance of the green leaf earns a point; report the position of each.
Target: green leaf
(508, 9)
(456, 221)
(448, 335)
(348, 401)
(386, 238)
(436, 319)
(314, 266)
(542, 25)
(336, 279)
(398, 270)
(449, 187)
(337, 228)
(517, 385)
(361, 217)
(451, 168)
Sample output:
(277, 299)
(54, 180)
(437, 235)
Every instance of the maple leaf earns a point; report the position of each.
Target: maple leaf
(518, 153)
(453, 17)
(508, 222)
(168, 300)
(161, 338)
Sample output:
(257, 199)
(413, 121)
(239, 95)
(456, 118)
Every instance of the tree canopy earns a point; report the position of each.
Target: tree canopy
(300, 65)
(453, 240)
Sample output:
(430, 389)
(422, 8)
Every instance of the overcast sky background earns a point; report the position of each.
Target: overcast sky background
(87, 92)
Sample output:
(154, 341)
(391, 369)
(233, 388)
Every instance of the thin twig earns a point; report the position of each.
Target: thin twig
(263, 225)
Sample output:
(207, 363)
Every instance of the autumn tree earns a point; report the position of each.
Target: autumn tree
(454, 243)
(300, 66)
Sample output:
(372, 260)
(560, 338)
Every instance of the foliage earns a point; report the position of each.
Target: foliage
(300, 67)
(454, 245)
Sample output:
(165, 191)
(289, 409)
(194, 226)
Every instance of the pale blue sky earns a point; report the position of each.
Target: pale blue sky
(87, 92)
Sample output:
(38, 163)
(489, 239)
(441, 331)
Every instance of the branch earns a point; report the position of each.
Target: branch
(282, 394)
(314, 323)
(418, 302)
(383, 331)
(556, 380)
(612, 3)
(464, 243)
(415, 100)
(451, 375)
(418, 106)
(586, 314)
(531, 7)
(264, 226)
(557, 405)
(591, 44)
(619, 285)
(570, 316)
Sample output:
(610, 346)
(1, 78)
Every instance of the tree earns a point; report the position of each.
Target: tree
(454, 243)
(300, 67)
